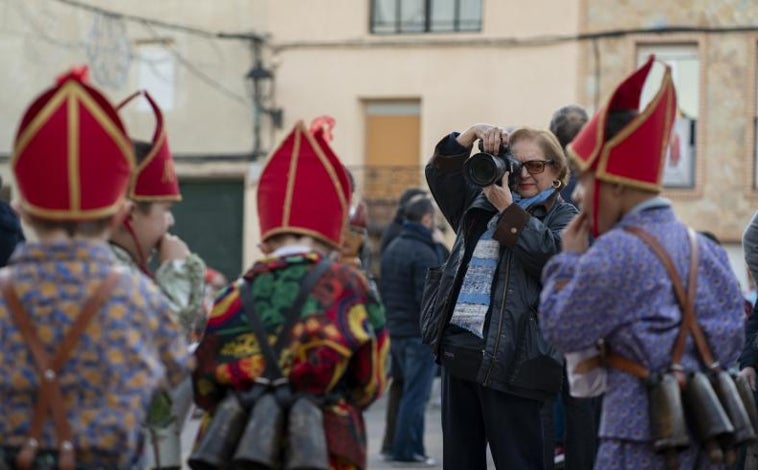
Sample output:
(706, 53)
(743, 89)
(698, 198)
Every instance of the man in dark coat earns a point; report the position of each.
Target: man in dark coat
(403, 271)
(396, 226)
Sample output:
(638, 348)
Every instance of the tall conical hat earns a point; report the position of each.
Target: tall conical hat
(155, 179)
(636, 155)
(304, 188)
(72, 157)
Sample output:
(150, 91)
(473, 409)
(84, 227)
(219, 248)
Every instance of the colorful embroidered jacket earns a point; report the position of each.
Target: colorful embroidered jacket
(338, 347)
(121, 360)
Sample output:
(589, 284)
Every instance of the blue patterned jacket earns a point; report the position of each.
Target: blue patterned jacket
(619, 291)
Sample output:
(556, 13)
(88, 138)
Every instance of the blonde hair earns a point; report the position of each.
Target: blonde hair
(549, 144)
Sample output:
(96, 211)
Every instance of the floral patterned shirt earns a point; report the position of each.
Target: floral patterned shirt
(131, 346)
(338, 347)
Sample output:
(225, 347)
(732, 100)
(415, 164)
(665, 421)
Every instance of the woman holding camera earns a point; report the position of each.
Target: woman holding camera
(482, 320)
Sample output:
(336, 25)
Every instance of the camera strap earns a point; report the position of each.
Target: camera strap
(273, 372)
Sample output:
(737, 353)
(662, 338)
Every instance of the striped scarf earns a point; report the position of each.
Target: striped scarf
(474, 298)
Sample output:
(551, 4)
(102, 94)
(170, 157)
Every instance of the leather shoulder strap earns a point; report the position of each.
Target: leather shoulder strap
(291, 315)
(686, 299)
(50, 396)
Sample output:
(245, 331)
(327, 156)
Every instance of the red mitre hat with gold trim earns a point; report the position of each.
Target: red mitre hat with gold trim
(72, 157)
(635, 156)
(155, 179)
(304, 189)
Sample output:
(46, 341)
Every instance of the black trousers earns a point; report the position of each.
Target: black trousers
(474, 416)
(581, 418)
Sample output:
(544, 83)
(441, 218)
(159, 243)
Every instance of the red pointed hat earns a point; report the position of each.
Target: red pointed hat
(304, 188)
(72, 157)
(636, 155)
(155, 179)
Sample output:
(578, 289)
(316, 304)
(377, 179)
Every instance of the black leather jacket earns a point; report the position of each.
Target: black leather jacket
(513, 357)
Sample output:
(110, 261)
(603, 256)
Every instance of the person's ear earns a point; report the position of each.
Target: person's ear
(130, 208)
(123, 214)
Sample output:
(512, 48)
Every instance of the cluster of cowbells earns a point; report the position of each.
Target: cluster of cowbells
(719, 408)
(279, 432)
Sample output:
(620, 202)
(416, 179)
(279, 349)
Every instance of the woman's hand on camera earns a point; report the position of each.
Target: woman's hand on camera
(576, 236)
(492, 137)
(499, 195)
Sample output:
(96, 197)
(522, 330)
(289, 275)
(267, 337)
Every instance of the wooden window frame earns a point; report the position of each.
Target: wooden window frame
(428, 25)
(635, 42)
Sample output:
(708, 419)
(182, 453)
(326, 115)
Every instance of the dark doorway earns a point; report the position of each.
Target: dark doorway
(210, 220)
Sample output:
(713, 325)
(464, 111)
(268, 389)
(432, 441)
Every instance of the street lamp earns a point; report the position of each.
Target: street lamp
(262, 80)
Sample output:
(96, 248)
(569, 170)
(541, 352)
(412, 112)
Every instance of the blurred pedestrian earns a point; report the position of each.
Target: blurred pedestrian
(403, 271)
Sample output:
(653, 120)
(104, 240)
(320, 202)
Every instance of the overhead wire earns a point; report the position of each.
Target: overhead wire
(149, 24)
(197, 72)
(239, 36)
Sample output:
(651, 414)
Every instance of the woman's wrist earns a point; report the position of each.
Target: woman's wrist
(466, 138)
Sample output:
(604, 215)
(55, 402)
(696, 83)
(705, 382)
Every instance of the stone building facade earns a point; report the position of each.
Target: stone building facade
(716, 66)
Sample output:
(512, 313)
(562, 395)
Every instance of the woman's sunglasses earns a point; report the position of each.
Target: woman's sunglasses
(535, 167)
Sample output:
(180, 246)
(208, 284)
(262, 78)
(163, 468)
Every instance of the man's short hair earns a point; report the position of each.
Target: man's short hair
(617, 120)
(409, 194)
(141, 150)
(417, 207)
(567, 122)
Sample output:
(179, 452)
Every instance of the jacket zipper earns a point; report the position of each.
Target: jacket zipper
(500, 321)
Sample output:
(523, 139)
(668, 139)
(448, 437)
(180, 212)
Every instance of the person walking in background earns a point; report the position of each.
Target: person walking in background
(581, 416)
(180, 275)
(619, 291)
(103, 335)
(335, 351)
(403, 271)
(395, 390)
(482, 323)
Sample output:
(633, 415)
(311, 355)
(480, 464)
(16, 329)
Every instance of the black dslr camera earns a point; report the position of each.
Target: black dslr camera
(483, 169)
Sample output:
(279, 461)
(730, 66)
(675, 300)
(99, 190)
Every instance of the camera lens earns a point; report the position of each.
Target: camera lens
(484, 169)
